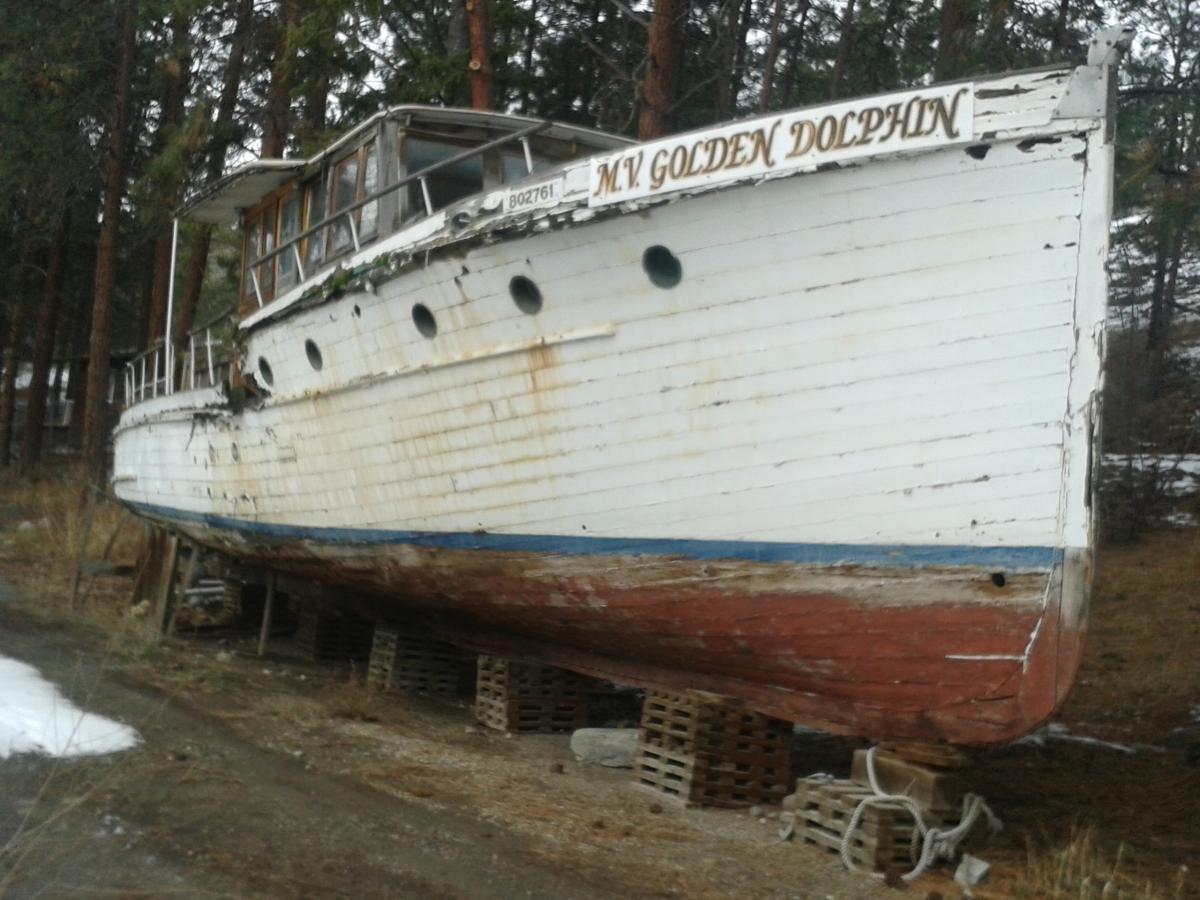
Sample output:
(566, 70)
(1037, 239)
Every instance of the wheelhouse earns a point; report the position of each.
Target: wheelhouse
(301, 218)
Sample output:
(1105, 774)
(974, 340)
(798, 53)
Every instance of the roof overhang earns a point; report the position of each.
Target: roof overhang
(221, 202)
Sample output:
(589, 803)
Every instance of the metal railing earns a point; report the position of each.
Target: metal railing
(205, 364)
(293, 244)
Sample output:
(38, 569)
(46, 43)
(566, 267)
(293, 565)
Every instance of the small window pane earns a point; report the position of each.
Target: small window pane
(267, 272)
(370, 213)
(446, 185)
(345, 191)
(514, 166)
(289, 227)
(250, 239)
(316, 212)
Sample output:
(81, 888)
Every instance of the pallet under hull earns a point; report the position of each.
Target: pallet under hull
(931, 647)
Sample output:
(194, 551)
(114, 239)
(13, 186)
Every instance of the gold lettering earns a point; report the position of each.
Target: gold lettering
(736, 150)
(606, 179)
(803, 135)
(715, 162)
(633, 168)
(944, 116)
(892, 115)
(841, 139)
(827, 136)
(871, 120)
(761, 144)
(692, 168)
(658, 170)
(678, 161)
(913, 128)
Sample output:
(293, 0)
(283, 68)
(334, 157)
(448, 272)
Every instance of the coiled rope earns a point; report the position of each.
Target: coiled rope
(929, 844)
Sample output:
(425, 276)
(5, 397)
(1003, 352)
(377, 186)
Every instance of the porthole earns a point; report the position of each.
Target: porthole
(662, 266)
(526, 295)
(313, 352)
(233, 451)
(424, 320)
(265, 373)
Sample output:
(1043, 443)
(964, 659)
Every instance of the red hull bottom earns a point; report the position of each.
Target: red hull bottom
(905, 653)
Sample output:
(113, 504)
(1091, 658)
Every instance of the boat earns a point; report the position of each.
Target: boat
(800, 409)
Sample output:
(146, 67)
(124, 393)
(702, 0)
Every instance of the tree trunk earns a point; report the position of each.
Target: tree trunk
(660, 85)
(279, 93)
(172, 117)
(950, 40)
(95, 425)
(222, 137)
(479, 35)
(1062, 38)
(12, 363)
(843, 51)
(43, 352)
(723, 109)
(768, 76)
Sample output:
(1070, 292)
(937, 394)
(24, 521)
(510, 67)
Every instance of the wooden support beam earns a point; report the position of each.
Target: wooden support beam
(268, 608)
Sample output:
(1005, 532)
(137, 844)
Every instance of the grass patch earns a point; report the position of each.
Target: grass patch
(1081, 869)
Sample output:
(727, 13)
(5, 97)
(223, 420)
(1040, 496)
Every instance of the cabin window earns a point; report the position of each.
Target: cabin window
(345, 192)
(266, 272)
(369, 215)
(513, 165)
(289, 227)
(314, 198)
(446, 185)
(251, 236)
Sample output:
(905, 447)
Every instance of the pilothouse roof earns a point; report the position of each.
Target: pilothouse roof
(220, 202)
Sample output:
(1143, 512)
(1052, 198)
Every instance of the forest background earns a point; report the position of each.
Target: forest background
(113, 111)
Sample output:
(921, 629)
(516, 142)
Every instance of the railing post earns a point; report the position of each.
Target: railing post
(528, 156)
(299, 262)
(191, 362)
(154, 375)
(168, 362)
(425, 194)
(353, 231)
(257, 289)
(143, 392)
(208, 347)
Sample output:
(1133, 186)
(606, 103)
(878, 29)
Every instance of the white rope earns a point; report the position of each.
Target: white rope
(935, 843)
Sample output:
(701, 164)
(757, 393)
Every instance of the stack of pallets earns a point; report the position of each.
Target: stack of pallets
(821, 812)
(326, 636)
(401, 662)
(529, 698)
(708, 750)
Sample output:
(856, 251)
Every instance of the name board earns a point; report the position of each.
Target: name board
(793, 140)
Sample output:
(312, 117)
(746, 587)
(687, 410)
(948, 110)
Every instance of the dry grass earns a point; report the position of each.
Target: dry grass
(351, 699)
(1142, 666)
(1080, 869)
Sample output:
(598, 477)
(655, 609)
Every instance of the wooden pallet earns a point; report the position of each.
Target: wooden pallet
(701, 780)
(699, 722)
(418, 665)
(325, 636)
(822, 810)
(939, 756)
(708, 750)
(528, 698)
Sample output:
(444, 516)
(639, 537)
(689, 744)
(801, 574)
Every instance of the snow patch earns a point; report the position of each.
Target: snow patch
(36, 718)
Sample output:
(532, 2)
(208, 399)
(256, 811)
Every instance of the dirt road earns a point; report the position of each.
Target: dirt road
(202, 810)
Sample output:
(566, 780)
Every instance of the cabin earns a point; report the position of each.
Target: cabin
(301, 218)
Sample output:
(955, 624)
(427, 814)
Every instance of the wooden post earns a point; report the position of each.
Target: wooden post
(266, 618)
(164, 591)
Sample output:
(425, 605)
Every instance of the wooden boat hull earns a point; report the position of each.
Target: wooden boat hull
(841, 469)
(910, 649)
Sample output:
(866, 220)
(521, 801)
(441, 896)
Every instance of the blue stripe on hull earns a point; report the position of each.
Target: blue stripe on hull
(914, 555)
